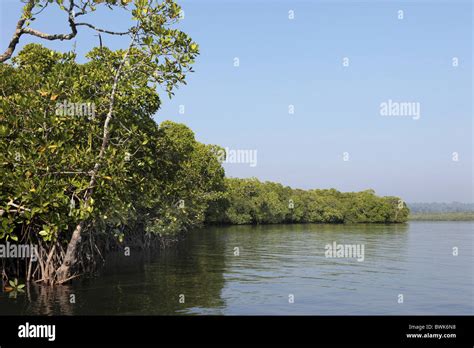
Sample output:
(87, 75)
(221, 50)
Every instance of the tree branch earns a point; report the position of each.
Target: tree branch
(18, 32)
(103, 30)
(72, 25)
(27, 14)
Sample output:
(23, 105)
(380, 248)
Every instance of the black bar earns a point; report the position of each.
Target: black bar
(288, 330)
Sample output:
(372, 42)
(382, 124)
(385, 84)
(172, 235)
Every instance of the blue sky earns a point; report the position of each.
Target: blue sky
(299, 62)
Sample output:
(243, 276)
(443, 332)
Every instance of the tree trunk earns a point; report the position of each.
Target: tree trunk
(63, 273)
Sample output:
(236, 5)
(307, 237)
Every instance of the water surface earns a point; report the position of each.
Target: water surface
(277, 263)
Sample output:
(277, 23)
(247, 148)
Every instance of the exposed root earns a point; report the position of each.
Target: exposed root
(89, 255)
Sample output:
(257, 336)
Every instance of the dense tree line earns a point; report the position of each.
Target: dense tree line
(155, 180)
(249, 201)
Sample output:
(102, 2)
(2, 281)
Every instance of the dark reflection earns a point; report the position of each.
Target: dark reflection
(38, 299)
(141, 283)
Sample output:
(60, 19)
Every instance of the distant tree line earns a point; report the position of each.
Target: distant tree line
(453, 207)
(249, 201)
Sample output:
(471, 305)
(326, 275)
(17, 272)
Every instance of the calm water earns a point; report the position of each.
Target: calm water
(415, 260)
